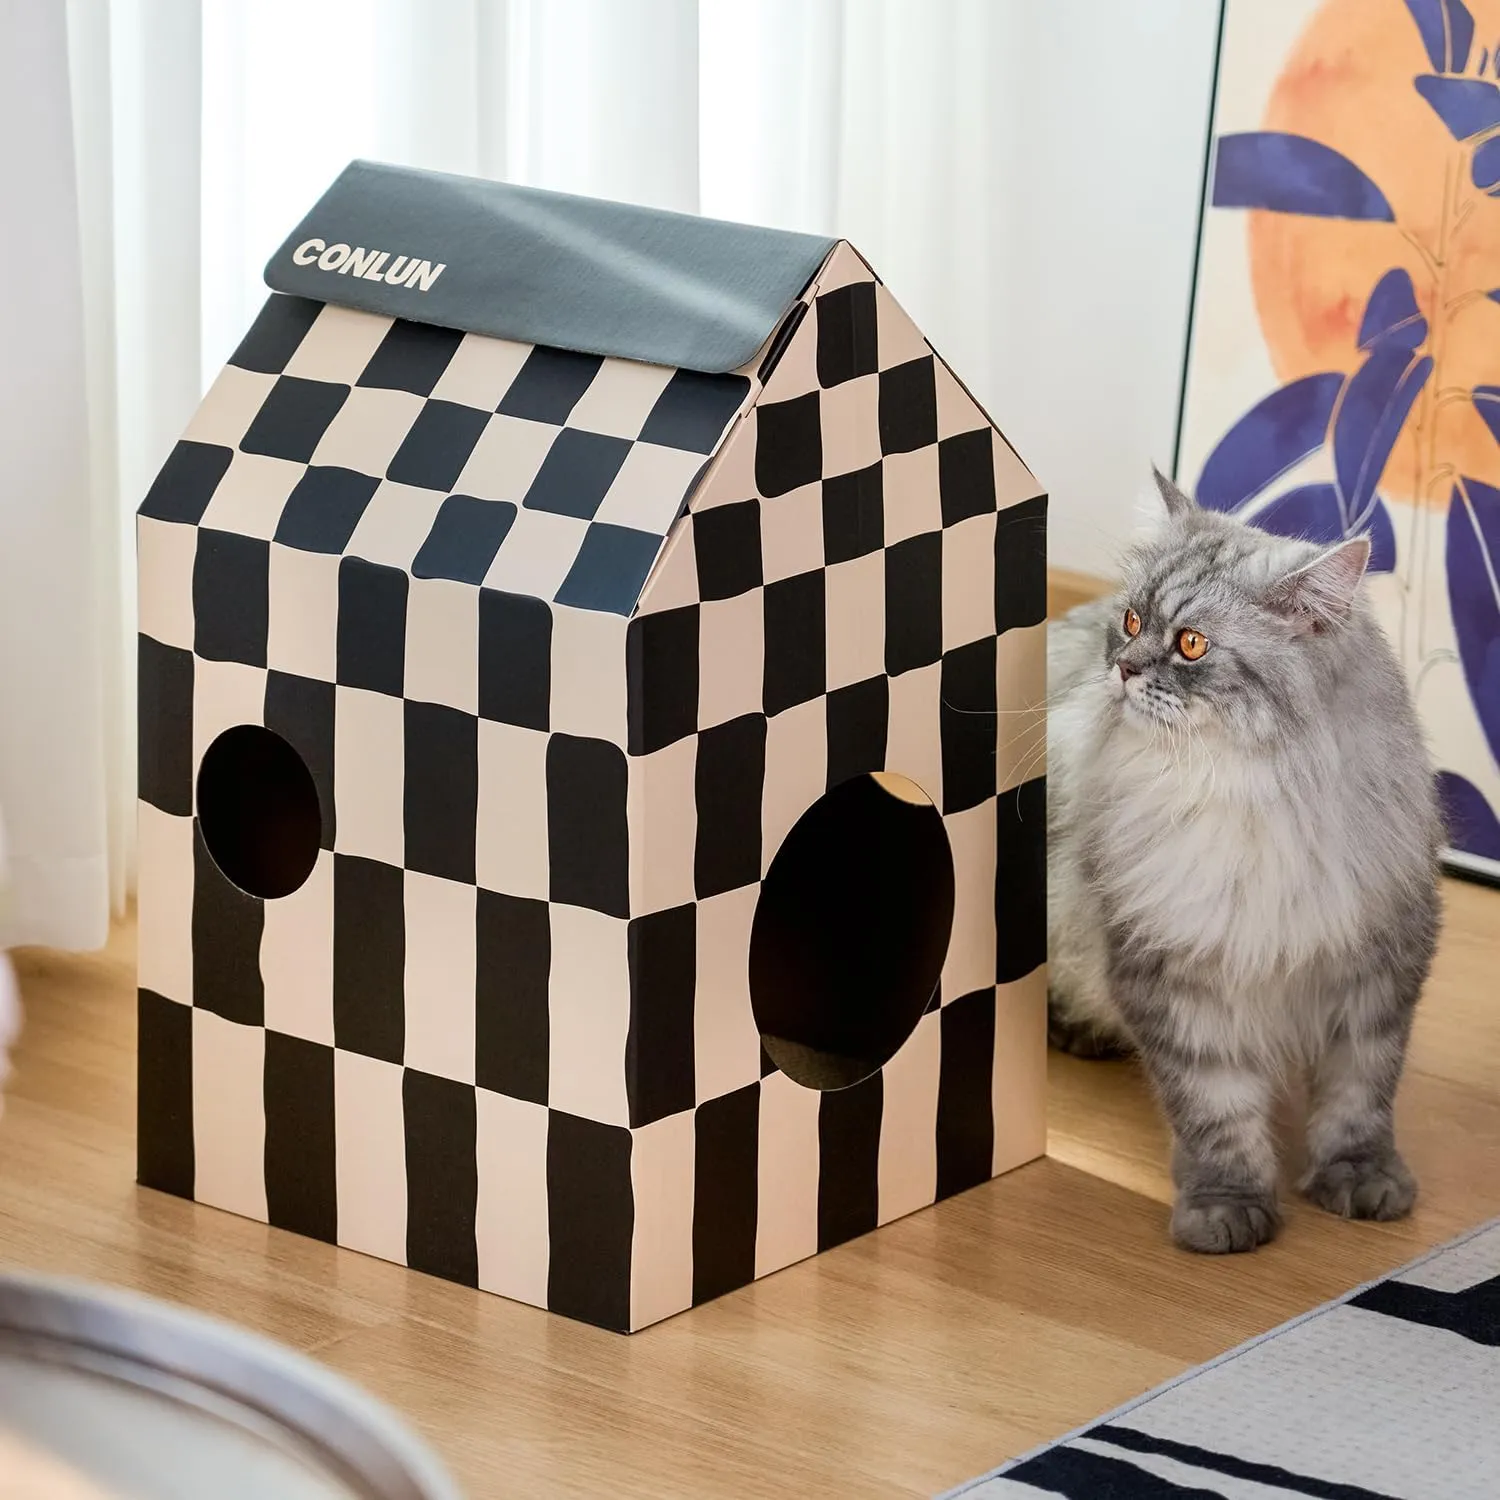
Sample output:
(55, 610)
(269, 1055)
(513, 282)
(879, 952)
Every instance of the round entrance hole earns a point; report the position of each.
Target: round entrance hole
(258, 811)
(851, 930)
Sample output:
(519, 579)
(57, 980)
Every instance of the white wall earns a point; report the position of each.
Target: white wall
(1085, 361)
(56, 889)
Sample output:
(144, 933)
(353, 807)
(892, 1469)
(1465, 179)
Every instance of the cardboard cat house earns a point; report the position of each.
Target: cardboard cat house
(591, 845)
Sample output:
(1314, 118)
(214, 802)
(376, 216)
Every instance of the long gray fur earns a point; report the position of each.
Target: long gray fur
(1243, 863)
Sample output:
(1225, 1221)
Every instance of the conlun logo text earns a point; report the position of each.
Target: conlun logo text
(370, 265)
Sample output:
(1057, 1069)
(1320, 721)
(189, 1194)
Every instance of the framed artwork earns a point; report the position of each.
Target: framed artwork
(1343, 371)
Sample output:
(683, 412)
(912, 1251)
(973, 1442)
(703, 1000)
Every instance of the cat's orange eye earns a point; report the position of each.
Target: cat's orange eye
(1131, 623)
(1191, 644)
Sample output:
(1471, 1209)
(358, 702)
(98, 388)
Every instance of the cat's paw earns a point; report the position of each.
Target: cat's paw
(1377, 1186)
(1224, 1226)
(1082, 1038)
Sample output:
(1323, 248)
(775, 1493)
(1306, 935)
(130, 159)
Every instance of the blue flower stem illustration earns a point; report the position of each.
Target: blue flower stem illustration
(1432, 474)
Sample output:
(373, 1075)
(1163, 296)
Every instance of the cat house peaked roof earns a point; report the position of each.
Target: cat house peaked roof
(547, 268)
(491, 384)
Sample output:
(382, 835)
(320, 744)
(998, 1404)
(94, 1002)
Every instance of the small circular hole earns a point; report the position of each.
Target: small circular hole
(851, 930)
(258, 811)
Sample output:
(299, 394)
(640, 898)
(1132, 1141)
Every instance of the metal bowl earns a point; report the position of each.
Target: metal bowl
(105, 1393)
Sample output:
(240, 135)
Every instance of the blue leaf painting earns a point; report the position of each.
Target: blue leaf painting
(1494, 294)
(1392, 314)
(1472, 824)
(1370, 417)
(1313, 513)
(1292, 174)
(1473, 557)
(1273, 436)
(1487, 404)
(1466, 106)
(1485, 168)
(1447, 32)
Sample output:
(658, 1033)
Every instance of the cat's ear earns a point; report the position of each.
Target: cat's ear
(1178, 502)
(1320, 593)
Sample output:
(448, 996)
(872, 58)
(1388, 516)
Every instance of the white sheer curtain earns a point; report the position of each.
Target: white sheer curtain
(1025, 176)
(54, 581)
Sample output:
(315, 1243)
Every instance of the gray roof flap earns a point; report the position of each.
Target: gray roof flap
(546, 268)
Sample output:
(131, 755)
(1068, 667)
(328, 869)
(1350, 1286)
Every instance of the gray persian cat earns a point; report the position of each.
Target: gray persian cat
(1243, 842)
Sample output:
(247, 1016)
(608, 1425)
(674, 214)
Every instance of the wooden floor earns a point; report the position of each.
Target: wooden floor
(895, 1365)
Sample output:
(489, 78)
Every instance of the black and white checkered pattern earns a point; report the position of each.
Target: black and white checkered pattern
(555, 758)
(447, 455)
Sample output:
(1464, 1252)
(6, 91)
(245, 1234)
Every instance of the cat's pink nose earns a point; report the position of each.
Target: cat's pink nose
(1127, 671)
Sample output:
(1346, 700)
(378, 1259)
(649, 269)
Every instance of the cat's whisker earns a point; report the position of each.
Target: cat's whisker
(1046, 703)
(1178, 744)
(1213, 764)
(1034, 759)
(1040, 726)
(1024, 774)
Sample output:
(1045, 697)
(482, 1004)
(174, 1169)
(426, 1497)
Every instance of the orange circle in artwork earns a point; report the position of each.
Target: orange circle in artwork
(1348, 82)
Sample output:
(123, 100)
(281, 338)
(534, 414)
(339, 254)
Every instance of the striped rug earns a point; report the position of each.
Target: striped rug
(1390, 1393)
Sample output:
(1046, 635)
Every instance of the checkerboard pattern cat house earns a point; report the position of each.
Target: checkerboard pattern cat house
(591, 845)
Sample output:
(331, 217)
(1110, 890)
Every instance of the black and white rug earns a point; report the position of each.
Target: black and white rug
(1390, 1393)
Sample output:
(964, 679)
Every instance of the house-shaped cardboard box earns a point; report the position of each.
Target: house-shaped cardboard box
(591, 833)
